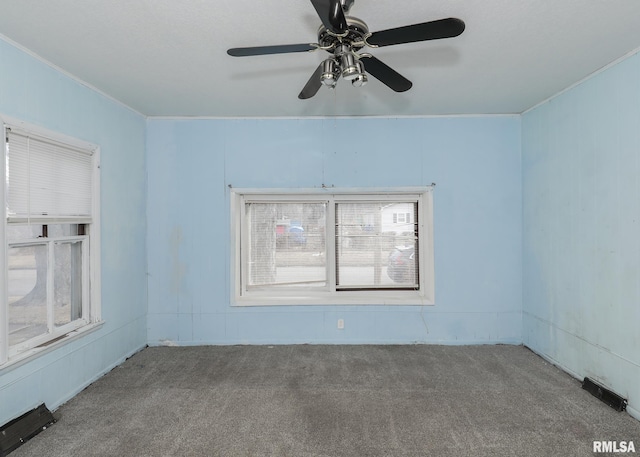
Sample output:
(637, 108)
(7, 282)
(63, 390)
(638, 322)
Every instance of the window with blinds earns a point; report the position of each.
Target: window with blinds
(47, 180)
(50, 232)
(286, 244)
(370, 252)
(349, 246)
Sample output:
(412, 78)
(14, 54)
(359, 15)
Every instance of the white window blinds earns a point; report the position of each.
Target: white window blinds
(47, 180)
(372, 251)
(286, 244)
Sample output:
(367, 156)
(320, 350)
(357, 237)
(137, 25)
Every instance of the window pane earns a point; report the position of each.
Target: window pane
(21, 232)
(27, 293)
(67, 283)
(55, 230)
(286, 244)
(376, 245)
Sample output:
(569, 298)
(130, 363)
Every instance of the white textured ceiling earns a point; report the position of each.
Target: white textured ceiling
(168, 57)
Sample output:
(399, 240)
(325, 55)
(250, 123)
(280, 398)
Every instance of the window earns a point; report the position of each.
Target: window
(50, 239)
(332, 246)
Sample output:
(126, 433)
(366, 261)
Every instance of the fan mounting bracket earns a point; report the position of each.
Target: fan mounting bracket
(346, 5)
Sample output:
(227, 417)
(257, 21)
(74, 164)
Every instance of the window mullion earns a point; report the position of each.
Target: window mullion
(86, 282)
(330, 243)
(245, 242)
(50, 286)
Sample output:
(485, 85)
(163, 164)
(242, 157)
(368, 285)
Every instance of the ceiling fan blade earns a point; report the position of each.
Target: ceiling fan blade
(434, 30)
(331, 14)
(313, 85)
(264, 50)
(385, 74)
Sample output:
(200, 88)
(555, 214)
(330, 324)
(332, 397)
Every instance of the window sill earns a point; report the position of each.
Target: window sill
(31, 354)
(378, 298)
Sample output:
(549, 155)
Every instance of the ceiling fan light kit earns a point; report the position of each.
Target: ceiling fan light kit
(344, 36)
(330, 73)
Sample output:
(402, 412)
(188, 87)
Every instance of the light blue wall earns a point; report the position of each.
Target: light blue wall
(581, 239)
(475, 162)
(36, 93)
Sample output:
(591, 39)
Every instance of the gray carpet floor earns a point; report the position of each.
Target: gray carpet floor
(333, 401)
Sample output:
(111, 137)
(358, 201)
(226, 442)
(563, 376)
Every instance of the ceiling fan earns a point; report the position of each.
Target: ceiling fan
(344, 36)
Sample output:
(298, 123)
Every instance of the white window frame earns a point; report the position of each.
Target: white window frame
(242, 296)
(90, 246)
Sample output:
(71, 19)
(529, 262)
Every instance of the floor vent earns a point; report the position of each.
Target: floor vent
(615, 401)
(21, 429)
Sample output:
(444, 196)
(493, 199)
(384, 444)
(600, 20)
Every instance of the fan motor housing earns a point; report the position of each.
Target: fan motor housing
(357, 29)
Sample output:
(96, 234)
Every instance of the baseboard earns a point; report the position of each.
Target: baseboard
(106, 370)
(629, 409)
(172, 343)
(633, 412)
(555, 363)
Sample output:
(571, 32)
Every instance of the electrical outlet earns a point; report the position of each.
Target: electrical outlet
(340, 324)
